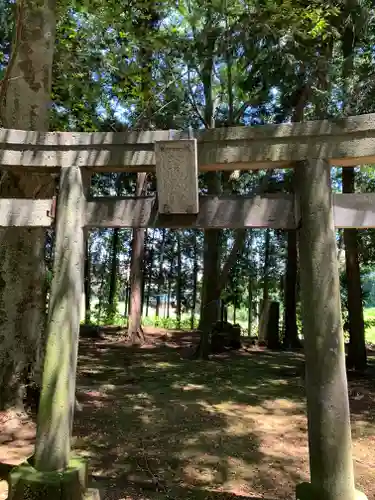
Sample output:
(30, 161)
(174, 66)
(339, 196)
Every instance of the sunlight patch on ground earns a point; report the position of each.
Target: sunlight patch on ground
(107, 388)
(164, 365)
(234, 426)
(231, 467)
(190, 387)
(283, 406)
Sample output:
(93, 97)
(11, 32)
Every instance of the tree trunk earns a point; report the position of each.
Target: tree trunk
(113, 277)
(127, 298)
(357, 357)
(179, 281)
(223, 312)
(101, 294)
(210, 288)
(272, 328)
(87, 279)
(150, 264)
(291, 339)
(147, 300)
(135, 331)
(143, 294)
(149, 287)
(249, 306)
(212, 237)
(211, 275)
(195, 282)
(265, 304)
(157, 307)
(143, 289)
(24, 104)
(160, 274)
(169, 291)
(266, 266)
(144, 24)
(290, 297)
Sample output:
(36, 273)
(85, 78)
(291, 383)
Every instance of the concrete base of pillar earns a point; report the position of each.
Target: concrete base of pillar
(306, 491)
(27, 483)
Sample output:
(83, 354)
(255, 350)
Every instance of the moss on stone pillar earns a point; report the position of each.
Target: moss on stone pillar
(27, 483)
(56, 407)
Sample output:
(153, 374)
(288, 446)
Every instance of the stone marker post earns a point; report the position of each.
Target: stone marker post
(53, 472)
(330, 447)
(177, 176)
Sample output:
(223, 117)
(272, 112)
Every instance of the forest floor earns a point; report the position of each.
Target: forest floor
(156, 425)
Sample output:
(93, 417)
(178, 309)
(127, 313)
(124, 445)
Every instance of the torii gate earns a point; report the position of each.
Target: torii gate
(310, 148)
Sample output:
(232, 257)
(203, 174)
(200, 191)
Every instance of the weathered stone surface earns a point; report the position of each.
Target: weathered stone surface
(226, 211)
(245, 155)
(344, 141)
(25, 213)
(56, 408)
(273, 211)
(27, 483)
(330, 448)
(351, 125)
(277, 211)
(177, 176)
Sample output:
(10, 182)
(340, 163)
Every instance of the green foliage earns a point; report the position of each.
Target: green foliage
(168, 323)
(170, 65)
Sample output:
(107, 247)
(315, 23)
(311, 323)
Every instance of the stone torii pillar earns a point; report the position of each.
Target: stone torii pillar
(54, 472)
(329, 432)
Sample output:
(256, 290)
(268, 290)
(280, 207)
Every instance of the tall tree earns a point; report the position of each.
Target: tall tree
(357, 356)
(179, 280)
(195, 281)
(135, 332)
(25, 97)
(207, 41)
(145, 25)
(112, 303)
(290, 294)
(87, 279)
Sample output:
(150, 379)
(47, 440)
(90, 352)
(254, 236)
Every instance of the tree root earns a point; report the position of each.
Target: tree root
(136, 337)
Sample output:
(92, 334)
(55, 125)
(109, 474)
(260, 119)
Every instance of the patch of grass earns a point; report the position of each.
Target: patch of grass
(369, 316)
(171, 323)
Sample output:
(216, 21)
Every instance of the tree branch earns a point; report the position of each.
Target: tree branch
(237, 247)
(241, 111)
(194, 104)
(240, 236)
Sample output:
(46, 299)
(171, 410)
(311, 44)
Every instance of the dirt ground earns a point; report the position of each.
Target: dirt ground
(157, 425)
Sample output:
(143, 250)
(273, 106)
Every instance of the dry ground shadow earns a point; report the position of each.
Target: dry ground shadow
(156, 425)
(156, 421)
